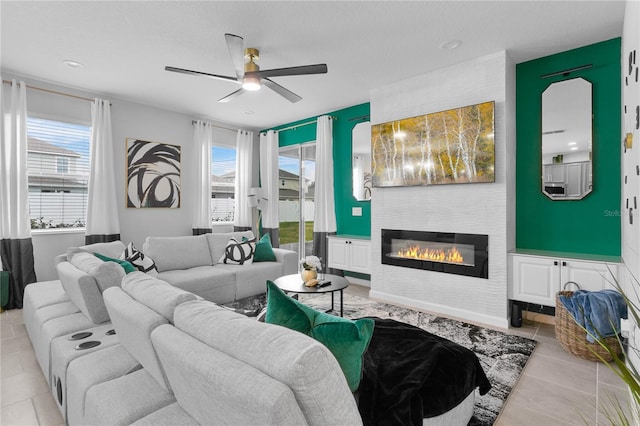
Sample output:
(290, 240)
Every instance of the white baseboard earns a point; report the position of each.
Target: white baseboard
(359, 281)
(464, 315)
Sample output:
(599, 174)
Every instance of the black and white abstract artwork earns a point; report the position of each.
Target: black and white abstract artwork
(153, 174)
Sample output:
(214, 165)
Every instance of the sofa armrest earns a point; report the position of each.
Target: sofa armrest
(289, 260)
(83, 291)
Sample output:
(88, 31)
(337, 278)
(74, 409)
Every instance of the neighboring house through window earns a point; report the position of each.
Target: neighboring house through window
(223, 180)
(58, 173)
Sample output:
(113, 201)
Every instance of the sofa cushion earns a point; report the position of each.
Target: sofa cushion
(143, 263)
(90, 369)
(112, 249)
(218, 242)
(154, 293)
(209, 282)
(346, 339)
(303, 364)
(215, 388)
(125, 400)
(37, 296)
(106, 274)
(264, 250)
(83, 291)
(253, 281)
(171, 415)
(238, 252)
(126, 265)
(171, 253)
(134, 322)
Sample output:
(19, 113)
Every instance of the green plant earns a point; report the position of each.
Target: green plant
(614, 410)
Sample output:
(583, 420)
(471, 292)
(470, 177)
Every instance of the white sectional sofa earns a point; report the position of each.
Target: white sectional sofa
(194, 263)
(181, 360)
(75, 302)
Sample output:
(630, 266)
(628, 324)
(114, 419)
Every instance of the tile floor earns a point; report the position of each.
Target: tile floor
(555, 388)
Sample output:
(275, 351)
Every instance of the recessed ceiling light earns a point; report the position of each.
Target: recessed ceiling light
(572, 143)
(450, 44)
(72, 64)
(573, 148)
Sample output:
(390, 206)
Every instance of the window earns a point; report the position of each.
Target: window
(58, 173)
(63, 164)
(223, 181)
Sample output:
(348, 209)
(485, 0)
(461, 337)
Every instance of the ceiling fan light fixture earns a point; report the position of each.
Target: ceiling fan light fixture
(251, 83)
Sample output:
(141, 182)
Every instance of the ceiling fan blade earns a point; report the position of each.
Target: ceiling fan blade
(301, 70)
(285, 93)
(232, 96)
(203, 74)
(235, 44)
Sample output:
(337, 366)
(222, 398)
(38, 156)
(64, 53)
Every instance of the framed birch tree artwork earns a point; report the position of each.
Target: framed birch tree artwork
(153, 174)
(453, 146)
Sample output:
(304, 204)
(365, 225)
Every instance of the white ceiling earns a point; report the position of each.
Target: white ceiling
(125, 46)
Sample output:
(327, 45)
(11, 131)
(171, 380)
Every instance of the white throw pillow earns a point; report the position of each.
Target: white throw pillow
(239, 253)
(139, 260)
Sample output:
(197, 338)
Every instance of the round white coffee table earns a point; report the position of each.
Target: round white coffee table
(293, 284)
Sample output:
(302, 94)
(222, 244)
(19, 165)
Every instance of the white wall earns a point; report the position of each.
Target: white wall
(630, 160)
(129, 120)
(467, 208)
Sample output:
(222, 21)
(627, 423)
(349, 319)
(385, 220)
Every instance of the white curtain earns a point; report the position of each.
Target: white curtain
(103, 224)
(244, 159)
(16, 248)
(324, 220)
(269, 183)
(202, 141)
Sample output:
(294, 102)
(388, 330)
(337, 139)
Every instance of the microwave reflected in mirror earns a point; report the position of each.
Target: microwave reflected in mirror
(567, 172)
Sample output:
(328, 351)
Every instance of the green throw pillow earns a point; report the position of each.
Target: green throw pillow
(264, 250)
(127, 266)
(346, 339)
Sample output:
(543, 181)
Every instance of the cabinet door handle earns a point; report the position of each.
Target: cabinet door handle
(555, 263)
(564, 263)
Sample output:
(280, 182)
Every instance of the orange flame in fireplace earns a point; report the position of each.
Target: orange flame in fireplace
(451, 255)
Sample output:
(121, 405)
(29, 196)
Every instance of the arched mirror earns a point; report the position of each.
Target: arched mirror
(361, 161)
(567, 172)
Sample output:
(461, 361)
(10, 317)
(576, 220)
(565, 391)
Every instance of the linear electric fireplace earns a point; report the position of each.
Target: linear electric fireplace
(453, 253)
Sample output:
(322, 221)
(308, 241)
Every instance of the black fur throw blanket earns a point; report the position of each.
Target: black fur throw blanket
(410, 374)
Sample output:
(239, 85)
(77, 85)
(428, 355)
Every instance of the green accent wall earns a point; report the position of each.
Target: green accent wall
(346, 119)
(591, 225)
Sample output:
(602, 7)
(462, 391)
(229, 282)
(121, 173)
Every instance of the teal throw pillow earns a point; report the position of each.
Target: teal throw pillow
(127, 266)
(346, 339)
(264, 250)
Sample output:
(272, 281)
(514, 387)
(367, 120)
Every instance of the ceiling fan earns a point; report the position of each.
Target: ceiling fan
(248, 73)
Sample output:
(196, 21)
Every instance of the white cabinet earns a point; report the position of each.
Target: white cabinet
(537, 279)
(554, 173)
(350, 254)
(567, 180)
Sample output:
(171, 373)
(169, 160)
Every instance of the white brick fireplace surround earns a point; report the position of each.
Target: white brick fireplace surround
(481, 208)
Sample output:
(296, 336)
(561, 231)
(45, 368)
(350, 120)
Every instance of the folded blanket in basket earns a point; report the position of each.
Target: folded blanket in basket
(599, 312)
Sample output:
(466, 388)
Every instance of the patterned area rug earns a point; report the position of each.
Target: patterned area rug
(502, 356)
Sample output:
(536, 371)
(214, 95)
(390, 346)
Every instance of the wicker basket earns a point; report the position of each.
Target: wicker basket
(573, 338)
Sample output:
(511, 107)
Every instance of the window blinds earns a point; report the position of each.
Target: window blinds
(58, 173)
